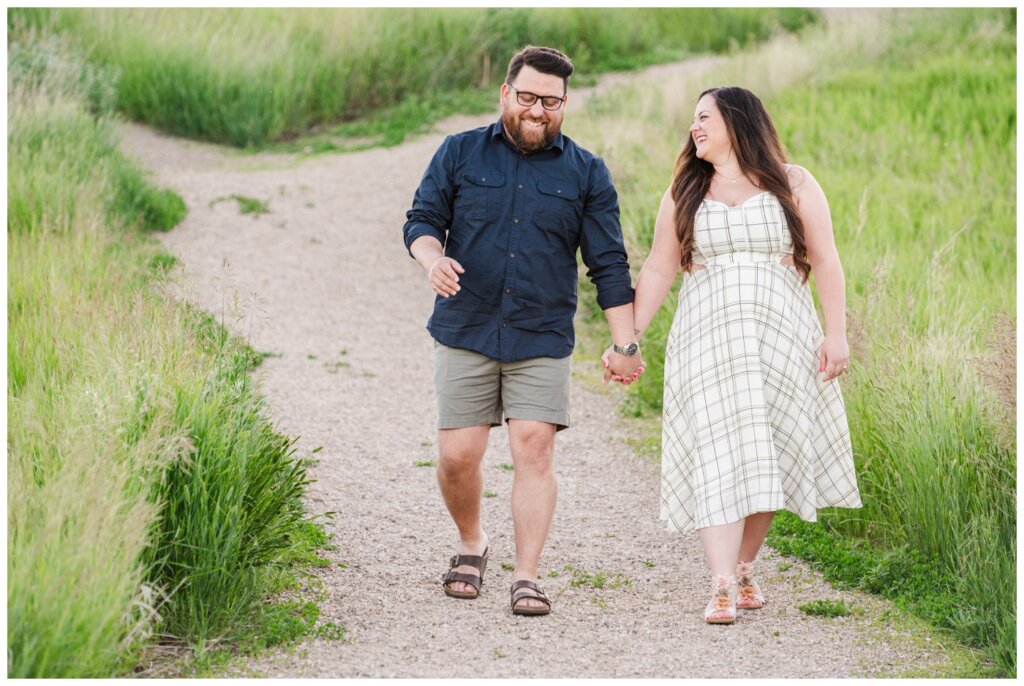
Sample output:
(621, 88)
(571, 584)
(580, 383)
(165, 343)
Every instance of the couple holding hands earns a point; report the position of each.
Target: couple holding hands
(754, 420)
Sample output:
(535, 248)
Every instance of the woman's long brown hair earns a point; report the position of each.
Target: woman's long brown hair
(760, 156)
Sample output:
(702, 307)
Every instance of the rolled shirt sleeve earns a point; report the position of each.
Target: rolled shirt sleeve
(601, 243)
(431, 212)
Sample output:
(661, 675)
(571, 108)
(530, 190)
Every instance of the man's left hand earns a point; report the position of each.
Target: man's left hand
(622, 368)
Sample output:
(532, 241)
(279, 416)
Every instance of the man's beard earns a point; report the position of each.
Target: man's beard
(525, 140)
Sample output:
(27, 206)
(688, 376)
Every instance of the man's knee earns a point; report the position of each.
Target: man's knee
(533, 446)
(461, 450)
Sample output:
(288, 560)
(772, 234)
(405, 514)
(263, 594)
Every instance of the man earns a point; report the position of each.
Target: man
(496, 223)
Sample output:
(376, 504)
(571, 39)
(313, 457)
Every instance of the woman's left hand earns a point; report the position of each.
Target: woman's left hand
(611, 374)
(835, 357)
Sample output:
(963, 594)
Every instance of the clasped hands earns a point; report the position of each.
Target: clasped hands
(622, 368)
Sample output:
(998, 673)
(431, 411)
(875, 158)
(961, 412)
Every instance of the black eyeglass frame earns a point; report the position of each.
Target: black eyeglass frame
(542, 98)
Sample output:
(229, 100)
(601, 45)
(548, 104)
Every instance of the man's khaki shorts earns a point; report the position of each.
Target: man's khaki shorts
(473, 389)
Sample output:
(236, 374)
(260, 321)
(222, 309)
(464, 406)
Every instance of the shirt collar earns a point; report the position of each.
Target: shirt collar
(498, 131)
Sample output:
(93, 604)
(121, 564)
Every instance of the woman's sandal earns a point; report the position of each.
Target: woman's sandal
(524, 588)
(478, 562)
(751, 597)
(721, 608)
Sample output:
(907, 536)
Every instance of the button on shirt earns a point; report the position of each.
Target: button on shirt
(514, 222)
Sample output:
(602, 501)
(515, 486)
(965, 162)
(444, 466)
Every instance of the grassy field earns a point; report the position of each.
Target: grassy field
(248, 77)
(149, 499)
(910, 126)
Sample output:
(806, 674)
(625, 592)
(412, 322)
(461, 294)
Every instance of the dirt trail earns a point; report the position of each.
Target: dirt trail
(327, 287)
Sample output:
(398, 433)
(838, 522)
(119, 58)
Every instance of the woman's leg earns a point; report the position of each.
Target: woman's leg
(721, 549)
(754, 530)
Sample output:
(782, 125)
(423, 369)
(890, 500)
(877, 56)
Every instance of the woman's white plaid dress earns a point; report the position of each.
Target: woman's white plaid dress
(748, 424)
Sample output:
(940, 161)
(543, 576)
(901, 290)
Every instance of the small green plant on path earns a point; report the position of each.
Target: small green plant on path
(246, 205)
(597, 580)
(825, 608)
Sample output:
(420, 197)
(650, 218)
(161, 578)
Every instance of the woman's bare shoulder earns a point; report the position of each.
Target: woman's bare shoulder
(797, 175)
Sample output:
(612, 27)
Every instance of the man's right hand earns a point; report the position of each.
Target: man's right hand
(444, 276)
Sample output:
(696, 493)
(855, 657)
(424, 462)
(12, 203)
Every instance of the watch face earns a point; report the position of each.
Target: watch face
(628, 350)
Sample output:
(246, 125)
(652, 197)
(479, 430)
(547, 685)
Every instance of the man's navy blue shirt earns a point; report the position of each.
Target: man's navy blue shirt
(514, 223)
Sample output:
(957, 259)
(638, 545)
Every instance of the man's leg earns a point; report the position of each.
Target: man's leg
(534, 491)
(468, 404)
(461, 478)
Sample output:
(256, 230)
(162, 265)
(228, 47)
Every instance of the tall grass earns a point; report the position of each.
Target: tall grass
(146, 494)
(251, 76)
(909, 124)
(930, 177)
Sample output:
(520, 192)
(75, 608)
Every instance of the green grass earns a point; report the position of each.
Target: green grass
(902, 575)
(930, 256)
(596, 580)
(391, 125)
(255, 76)
(825, 608)
(909, 124)
(246, 205)
(148, 497)
(282, 621)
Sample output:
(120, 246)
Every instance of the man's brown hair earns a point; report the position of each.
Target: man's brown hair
(544, 60)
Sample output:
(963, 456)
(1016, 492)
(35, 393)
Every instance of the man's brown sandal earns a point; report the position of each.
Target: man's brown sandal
(478, 562)
(524, 588)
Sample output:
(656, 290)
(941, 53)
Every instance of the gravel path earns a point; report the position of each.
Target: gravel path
(323, 283)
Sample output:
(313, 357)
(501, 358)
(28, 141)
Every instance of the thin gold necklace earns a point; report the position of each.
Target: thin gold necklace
(728, 179)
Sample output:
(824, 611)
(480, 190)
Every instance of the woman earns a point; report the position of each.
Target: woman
(753, 417)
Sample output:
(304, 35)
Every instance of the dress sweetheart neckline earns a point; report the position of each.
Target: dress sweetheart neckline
(733, 207)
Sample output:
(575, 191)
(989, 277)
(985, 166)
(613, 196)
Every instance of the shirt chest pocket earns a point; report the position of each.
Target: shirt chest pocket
(480, 196)
(558, 208)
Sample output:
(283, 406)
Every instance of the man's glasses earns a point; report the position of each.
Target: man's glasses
(548, 102)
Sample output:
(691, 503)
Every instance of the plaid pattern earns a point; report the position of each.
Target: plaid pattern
(748, 424)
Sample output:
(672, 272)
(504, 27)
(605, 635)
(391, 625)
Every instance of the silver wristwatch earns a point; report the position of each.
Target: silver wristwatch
(628, 350)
